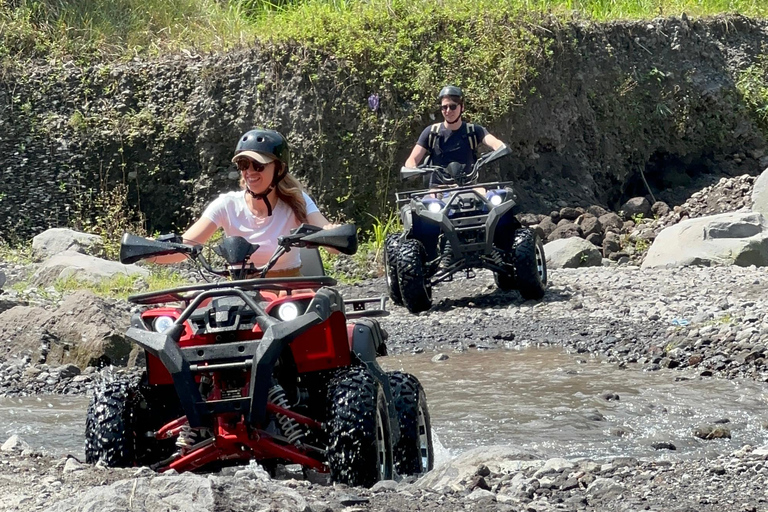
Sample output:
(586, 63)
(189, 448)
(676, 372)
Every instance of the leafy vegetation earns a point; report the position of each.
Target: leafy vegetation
(113, 216)
(753, 85)
(124, 28)
(17, 253)
(414, 45)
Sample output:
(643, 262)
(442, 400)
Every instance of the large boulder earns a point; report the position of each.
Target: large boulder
(85, 328)
(572, 253)
(188, 492)
(81, 267)
(736, 238)
(55, 240)
(760, 194)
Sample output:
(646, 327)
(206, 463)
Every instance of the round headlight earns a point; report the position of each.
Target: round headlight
(287, 311)
(434, 207)
(162, 323)
(495, 200)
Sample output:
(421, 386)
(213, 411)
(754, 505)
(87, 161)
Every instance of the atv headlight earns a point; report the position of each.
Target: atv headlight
(433, 205)
(162, 323)
(287, 311)
(496, 197)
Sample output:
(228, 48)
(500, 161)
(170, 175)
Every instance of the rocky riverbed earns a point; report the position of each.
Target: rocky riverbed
(704, 322)
(708, 322)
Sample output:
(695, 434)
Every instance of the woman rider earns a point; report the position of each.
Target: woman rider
(269, 204)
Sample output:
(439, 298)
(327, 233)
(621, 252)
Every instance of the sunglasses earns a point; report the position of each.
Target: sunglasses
(245, 163)
(451, 106)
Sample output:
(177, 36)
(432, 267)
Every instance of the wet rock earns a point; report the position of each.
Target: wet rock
(712, 432)
(15, 443)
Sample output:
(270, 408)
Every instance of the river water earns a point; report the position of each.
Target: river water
(544, 401)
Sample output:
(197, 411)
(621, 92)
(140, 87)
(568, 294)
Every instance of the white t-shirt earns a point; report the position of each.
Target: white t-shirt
(230, 213)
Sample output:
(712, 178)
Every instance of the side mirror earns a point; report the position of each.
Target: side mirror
(342, 238)
(134, 248)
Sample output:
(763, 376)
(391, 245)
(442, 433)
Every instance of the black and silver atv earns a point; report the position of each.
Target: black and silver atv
(461, 226)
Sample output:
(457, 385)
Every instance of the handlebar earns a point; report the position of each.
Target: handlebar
(236, 251)
(484, 159)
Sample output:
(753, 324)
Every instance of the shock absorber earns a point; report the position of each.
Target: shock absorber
(289, 427)
(186, 438)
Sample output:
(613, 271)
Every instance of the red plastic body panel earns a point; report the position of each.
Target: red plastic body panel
(324, 346)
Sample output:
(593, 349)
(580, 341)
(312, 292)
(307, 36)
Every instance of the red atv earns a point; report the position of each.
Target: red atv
(275, 370)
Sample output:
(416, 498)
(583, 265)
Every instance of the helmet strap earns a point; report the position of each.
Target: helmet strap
(263, 196)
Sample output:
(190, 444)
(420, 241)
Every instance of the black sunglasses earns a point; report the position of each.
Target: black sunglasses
(451, 106)
(246, 163)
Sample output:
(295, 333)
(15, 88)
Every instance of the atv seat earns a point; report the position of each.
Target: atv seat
(311, 262)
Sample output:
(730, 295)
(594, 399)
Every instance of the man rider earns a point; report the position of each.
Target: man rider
(453, 140)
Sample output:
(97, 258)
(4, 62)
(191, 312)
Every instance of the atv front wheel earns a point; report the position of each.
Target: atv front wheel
(504, 282)
(109, 432)
(414, 285)
(391, 244)
(120, 414)
(359, 437)
(530, 264)
(413, 453)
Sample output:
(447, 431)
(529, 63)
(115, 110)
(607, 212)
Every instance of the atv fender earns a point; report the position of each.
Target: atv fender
(368, 342)
(501, 217)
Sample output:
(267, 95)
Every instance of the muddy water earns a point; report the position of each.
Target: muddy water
(545, 401)
(549, 402)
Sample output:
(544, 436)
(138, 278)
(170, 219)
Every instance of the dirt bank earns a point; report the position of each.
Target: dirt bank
(673, 98)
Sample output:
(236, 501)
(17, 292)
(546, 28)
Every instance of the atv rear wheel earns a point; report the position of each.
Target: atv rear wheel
(359, 437)
(391, 244)
(413, 453)
(414, 285)
(530, 264)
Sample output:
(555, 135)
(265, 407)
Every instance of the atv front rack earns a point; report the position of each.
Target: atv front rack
(360, 307)
(188, 293)
(404, 198)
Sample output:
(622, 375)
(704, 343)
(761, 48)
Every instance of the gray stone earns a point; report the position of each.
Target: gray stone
(82, 268)
(725, 239)
(572, 253)
(57, 240)
(14, 444)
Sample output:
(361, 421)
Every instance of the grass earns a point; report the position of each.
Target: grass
(18, 253)
(125, 28)
(122, 285)
(412, 45)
